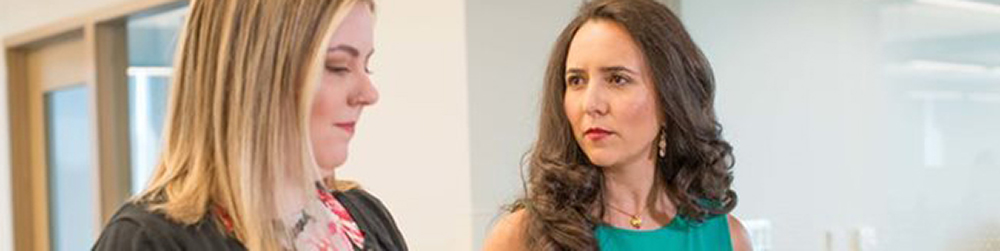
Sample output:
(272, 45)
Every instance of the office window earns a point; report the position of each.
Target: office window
(151, 45)
(71, 173)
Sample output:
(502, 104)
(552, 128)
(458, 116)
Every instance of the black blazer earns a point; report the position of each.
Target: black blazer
(135, 228)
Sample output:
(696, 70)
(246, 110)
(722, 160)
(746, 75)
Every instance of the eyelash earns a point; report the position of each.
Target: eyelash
(344, 70)
(616, 78)
(570, 81)
(337, 69)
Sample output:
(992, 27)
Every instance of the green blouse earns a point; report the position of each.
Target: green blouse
(680, 234)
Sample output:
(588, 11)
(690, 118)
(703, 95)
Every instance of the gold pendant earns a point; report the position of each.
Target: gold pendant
(635, 221)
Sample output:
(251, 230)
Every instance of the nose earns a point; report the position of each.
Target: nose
(366, 93)
(594, 102)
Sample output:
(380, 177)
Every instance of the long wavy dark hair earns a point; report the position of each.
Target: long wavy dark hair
(563, 201)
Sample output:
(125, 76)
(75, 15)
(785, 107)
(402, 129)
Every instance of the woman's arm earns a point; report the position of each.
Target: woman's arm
(507, 234)
(739, 235)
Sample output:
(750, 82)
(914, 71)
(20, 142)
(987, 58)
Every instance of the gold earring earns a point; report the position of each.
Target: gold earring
(663, 143)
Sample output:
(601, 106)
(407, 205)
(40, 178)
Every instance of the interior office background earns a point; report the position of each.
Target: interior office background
(857, 124)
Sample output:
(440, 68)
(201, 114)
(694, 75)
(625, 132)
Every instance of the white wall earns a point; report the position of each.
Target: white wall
(6, 207)
(6, 221)
(829, 140)
(509, 42)
(412, 148)
(787, 73)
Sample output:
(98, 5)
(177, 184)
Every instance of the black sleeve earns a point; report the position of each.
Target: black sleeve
(391, 226)
(134, 227)
(375, 219)
(125, 234)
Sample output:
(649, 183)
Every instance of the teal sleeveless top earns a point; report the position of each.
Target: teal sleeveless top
(680, 234)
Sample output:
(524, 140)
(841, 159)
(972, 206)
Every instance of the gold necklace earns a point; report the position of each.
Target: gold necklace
(634, 219)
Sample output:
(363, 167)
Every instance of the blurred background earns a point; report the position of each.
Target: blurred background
(857, 124)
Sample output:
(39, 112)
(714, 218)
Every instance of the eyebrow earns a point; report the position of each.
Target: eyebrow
(603, 69)
(575, 71)
(354, 52)
(617, 69)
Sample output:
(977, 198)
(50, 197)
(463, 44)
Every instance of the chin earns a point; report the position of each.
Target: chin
(600, 158)
(326, 172)
(601, 162)
(331, 163)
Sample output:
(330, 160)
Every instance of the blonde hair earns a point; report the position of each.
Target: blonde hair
(245, 76)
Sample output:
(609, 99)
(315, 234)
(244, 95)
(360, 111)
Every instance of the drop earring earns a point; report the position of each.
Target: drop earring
(662, 143)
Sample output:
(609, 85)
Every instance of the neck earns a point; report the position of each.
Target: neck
(633, 188)
(290, 199)
(628, 186)
(293, 194)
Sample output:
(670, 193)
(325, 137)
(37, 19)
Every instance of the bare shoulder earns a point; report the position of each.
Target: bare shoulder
(507, 233)
(739, 235)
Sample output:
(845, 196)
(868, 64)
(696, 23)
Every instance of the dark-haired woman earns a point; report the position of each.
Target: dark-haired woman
(629, 154)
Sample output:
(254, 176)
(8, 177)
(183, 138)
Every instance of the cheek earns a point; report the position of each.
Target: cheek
(573, 110)
(329, 101)
(320, 126)
(639, 113)
(322, 112)
(328, 144)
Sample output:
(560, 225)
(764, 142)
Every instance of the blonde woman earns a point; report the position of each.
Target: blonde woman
(264, 102)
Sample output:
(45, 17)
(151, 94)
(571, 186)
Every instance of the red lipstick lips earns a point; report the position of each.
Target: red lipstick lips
(596, 133)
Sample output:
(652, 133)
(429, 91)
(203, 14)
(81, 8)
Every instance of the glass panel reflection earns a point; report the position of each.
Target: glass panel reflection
(151, 43)
(71, 173)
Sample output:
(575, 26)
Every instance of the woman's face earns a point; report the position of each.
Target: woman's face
(344, 89)
(610, 99)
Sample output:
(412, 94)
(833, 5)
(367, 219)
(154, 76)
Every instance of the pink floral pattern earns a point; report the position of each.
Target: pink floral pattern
(318, 227)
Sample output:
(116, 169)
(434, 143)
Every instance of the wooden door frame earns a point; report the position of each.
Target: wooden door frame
(103, 34)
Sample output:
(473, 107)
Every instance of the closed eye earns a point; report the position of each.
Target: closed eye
(338, 69)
